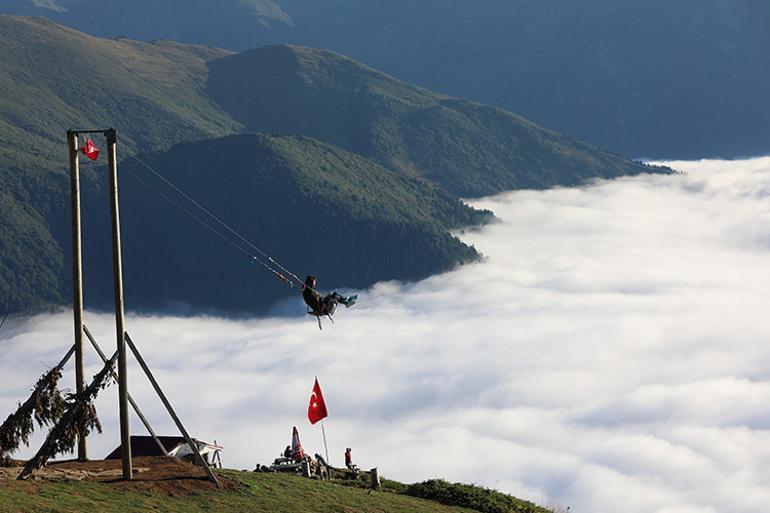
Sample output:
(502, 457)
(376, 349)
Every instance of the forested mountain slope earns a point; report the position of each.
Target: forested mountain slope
(158, 95)
(315, 208)
(469, 148)
(656, 79)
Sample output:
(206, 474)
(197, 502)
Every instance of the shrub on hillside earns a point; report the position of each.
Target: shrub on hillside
(471, 496)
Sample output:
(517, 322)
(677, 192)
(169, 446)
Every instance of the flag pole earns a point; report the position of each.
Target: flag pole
(326, 448)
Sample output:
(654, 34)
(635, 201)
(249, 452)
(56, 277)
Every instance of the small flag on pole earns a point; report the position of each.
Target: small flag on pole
(297, 453)
(90, 150)
(316, 410)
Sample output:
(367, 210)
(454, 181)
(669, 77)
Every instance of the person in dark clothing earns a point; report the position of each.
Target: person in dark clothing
(320, 459)
(287, 452)
(322, 305)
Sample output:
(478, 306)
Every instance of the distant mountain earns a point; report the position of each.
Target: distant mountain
(469, 148)
(224, 23)
(655, 78)
(390, 136)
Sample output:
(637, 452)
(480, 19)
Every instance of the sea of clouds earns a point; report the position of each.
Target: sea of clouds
(609, 354)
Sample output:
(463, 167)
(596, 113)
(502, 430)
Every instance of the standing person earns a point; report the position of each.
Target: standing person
(321, 467)
(287, 452)
(349, 460)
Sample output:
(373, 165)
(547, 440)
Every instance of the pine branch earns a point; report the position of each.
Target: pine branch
(45, 405)
(78, 419)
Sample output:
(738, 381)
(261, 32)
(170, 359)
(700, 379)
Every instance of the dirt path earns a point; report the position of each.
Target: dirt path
(162, 475)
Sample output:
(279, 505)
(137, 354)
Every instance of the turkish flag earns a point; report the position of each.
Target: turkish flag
(90, 150)
(316, 410)
(297, 453)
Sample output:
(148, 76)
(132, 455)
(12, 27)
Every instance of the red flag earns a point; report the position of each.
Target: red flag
(90, 150)
(297, 453)
(316, 410)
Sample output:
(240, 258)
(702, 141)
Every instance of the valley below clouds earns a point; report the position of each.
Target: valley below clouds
(610, 353)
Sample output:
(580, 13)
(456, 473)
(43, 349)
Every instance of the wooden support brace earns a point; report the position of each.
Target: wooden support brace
(171, 412)
(130, 399)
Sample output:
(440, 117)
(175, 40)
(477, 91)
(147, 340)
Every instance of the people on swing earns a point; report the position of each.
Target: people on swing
(323, 305)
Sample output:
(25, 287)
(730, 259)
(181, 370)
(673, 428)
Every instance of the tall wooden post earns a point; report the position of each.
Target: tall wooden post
(117, 269)
(77, 276)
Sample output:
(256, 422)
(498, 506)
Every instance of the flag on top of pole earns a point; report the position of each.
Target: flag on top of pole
(90, 150)
(316, 410)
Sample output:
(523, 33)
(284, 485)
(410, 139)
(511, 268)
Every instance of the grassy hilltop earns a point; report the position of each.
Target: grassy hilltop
(250, 492)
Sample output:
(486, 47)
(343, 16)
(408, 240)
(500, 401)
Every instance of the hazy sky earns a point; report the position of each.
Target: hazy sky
(610, 354)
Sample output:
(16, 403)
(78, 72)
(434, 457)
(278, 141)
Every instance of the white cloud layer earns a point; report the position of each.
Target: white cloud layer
(609, 354)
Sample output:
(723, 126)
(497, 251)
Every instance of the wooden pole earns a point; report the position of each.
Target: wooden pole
(77, 276)
(171, 411)
(130, 399)
(117, 271)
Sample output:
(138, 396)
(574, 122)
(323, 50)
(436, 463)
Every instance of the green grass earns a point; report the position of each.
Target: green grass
(471, 496)
(258, 492)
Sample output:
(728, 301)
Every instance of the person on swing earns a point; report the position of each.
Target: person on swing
(323, 305)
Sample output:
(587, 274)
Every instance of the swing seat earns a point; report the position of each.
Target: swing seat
(318, 316)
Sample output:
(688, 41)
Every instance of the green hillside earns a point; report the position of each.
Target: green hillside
(469, 148)
(161, 94)
(316, 208)
(53, 78)
(249, 492)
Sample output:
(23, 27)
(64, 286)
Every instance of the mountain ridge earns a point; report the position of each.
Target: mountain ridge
(159, 95)
(316, 208)
(646, 79)
(468, 148)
